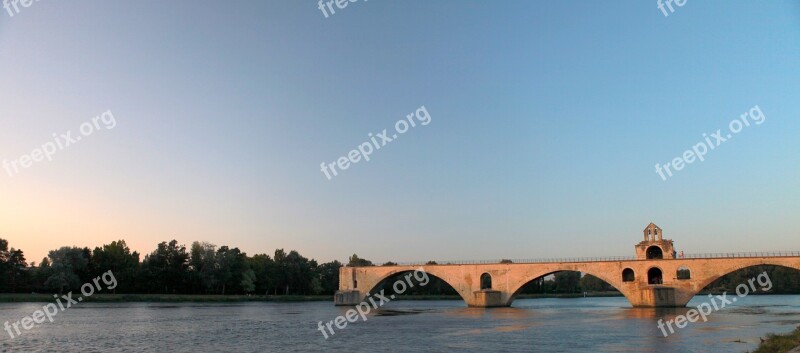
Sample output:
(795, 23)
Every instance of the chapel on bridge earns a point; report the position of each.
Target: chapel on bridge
(654, 245)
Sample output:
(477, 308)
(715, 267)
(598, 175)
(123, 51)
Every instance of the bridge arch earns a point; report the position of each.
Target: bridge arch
(605, 277)
(708, 279)
(405, 276)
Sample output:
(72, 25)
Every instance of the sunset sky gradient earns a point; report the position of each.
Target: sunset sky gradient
(547, 121)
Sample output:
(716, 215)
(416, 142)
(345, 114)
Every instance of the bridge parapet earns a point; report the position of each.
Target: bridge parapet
(515, 261)
(728, 255)
(743, 255)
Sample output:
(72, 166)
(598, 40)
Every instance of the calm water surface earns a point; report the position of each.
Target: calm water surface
(531, 325)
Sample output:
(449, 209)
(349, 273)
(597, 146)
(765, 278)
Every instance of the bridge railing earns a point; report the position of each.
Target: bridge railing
(742, 254)
(516, 261)
(596, 259)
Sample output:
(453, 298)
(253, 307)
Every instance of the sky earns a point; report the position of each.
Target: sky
(546, 122)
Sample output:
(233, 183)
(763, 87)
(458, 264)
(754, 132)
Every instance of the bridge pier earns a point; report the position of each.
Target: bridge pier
(487, 298)
(656, 297)
(347, 297)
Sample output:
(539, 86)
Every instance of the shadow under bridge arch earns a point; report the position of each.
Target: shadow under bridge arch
(573, 280)
(411, 282)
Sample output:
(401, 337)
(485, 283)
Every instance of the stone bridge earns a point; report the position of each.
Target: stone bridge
(651, 279)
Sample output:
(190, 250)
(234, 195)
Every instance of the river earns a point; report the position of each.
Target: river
(530, 325)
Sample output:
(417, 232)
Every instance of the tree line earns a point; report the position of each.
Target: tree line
(171, 268)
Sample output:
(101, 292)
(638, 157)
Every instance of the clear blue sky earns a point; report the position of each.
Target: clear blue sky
(547, 121)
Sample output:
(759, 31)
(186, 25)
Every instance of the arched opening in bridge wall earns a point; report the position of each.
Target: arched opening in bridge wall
(486, 281)
(684, 273)
(563, 282)
(400, 284)
(628, 275)
(654, 253)
(655, 276)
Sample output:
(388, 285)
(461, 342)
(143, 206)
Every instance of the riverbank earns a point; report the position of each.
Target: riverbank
(789, 342)
(179, 298)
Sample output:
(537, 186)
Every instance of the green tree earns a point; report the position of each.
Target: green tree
(15, 269)
(86, 273)
(329, 276)
(299, 273)
(356, 261)
(280, 272)
(248, 282)
(40, 275)
(231, 267)
(66, 264)
(567, 282)
(4, 267)
(12, 267)
(203, 267)
(589, 283)
(166, 267)
(263, 268)
(117, 258)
